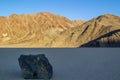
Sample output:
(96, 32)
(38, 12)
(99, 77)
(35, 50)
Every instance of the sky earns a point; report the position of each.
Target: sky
(72, 9)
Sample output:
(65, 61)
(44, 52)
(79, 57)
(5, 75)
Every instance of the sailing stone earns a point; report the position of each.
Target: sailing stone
(35, 67)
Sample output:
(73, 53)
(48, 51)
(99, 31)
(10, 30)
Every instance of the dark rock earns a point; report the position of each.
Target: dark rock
(35, 67)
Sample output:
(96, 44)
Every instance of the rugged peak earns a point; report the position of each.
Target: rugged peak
(101, 31)
(107, 16)
(51, 17)
(45, 13)
(13, 15)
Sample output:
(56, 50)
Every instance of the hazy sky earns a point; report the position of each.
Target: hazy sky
(72, 9)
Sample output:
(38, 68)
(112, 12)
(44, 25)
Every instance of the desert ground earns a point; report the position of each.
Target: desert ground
(68, 64)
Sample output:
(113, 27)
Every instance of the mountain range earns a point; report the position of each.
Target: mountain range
(47, 30)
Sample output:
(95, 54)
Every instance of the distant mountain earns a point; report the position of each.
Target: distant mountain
(34, 28)
(104, 31)
(50, 30)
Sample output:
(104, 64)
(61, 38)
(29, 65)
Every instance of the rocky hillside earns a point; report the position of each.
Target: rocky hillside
(50, 30)
(17, 29)
(103, 31)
